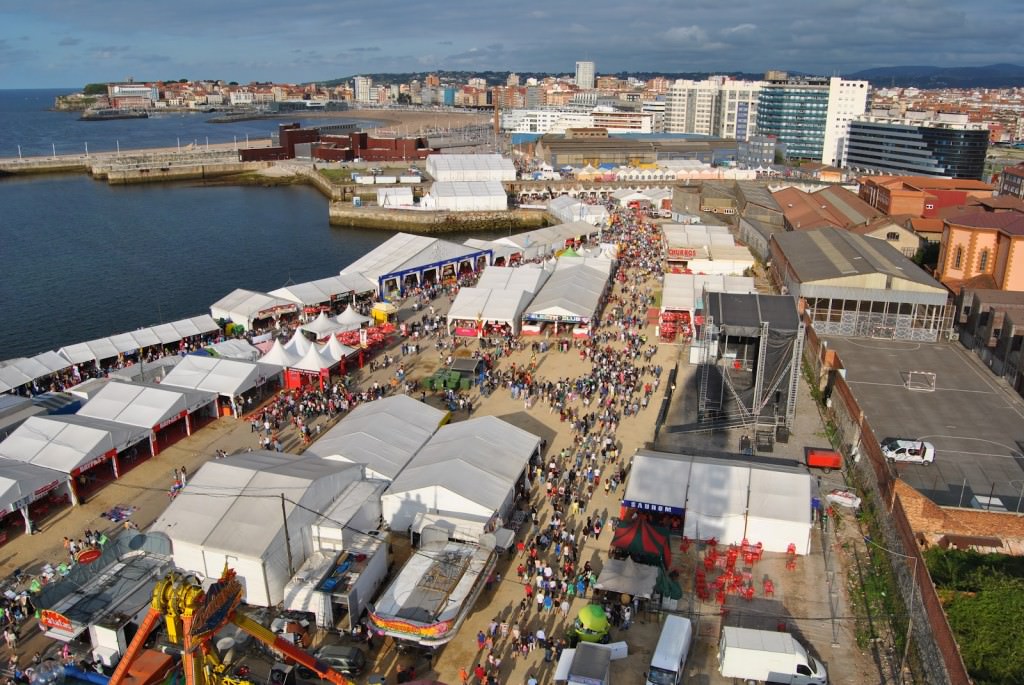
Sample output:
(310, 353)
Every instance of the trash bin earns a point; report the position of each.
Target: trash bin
(465, 384)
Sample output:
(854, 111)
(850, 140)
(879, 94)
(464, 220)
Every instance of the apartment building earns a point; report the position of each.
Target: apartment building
(718, 107)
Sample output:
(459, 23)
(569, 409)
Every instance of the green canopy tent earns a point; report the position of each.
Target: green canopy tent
(644, 543)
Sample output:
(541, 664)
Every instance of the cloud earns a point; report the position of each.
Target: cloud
(739, 29)
(445, 42)
(372, 48)
(68, 41)
(687, 34)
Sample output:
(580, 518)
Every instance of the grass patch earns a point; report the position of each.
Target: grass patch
(336, 175)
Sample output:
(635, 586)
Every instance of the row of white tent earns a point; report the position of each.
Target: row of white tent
(15, 373)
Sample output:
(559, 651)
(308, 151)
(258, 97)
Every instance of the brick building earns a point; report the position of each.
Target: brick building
(921, 196)
(983, 242)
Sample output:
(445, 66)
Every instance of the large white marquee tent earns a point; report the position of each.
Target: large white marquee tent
(466, 196)
(470, 168)
(574, 291)
(244, 307)
(490, 307)
(133, 341)
(231, 512)
(229, 378)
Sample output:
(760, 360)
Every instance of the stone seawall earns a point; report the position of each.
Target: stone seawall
(158, 174)
(430, 222)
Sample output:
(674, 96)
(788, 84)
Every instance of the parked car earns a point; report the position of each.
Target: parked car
(347, 659)
(843, 498)
(912, 451)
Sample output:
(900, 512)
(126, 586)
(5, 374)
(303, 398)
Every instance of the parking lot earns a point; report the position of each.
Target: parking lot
(974, 420)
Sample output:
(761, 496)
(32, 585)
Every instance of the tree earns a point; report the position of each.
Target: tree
(95, 89)
(989, 630)
(927, 255)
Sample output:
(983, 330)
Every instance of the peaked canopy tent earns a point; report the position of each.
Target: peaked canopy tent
(169, 414)
(279, 356)
(407, 260)
(573, 294)
(246, 308)
(472, 468)
(350, 319)
(231, 379)
(383, 435)
(317, 363)
(231, 510)
(644, 542)
(322, 326)
(298, 345)
(90, 451)
(23, 484)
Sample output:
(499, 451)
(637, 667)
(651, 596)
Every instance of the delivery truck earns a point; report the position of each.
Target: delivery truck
(767, 657)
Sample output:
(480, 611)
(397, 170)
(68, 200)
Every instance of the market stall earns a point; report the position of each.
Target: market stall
(231, 379)
(31, 490)
(571, 298)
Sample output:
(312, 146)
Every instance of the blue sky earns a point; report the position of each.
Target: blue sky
(57, 43)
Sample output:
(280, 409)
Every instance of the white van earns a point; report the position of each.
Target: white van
(670, 655)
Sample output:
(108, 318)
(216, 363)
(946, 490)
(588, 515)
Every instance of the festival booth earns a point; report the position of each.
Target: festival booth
(640, 541)
(626, 577)
(90, 452)
(31, 490)
(478, 312)
(408, 261)
(682, 300)
(234, 349)
(384, 312)
(571, 298)
(234, 381)
(321, 295)
(351, 320)
(383, 435)
(313, 368)
(716, 503)
(250, 309)
(298, 345)
(543, 242)
(474, 467)
(240, 510)
(130, 343)
(279, 356)
(15, 373)
(169, 414)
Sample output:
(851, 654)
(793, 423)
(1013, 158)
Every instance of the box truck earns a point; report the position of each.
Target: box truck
(670, 654)
(767, 657)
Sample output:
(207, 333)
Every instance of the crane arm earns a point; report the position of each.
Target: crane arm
(294, 653)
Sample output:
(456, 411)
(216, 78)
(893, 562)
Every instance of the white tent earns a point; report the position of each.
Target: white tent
(298, 345)
(320, 291)
(322, 326)
(352, 319)
(145, 406)
(466, 196)
(658, 482)
(315, 359)
(685, 292)
(490, 306)
(23, 370)
(779, 512)
(716, 505)
(625, 576)
(530, 277)
(279, 356)
(337, 351)
(394, 197)
(573, 292)
(243, 307)
(23, 483)
(487, 167)
(227, 377)
(235, 349)
(544, 241)
(468, 468)
(230, 511)
(383, 435)
(68, 444)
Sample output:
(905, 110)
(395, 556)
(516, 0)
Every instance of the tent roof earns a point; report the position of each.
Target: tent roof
(279, 356)
(638, 537)
(234, 349)
(20, 481)
(469, 162)
(315, 359)
(314, 292)
(625, 576)
(337, 351)
(743, 314)
(479, 459)
(229, 377)
(659, 479)
(529, 278)
(226, 504)
(322, 326)
(405, 251)
(686, 291)
(351, 317)
(490, 305)
(244, 306)
(64, 444)
(383, 434)
(143, 405)
(468, 189)
(574, 289)
(780, 495)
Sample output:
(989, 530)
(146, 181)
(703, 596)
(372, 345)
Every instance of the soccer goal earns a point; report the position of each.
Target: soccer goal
(921, 380)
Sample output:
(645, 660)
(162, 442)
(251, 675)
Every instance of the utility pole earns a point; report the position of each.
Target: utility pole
(287, 538)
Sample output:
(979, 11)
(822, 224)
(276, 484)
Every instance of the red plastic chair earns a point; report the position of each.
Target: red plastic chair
(685, 544)
(791, 564)
(759, 550)
(748, 593)
(791, 549)
(709, 563)
(769, 588)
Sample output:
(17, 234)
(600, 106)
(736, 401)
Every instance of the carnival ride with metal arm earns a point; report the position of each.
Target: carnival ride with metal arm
(193, 617)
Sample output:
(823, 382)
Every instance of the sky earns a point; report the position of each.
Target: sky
(67, 43)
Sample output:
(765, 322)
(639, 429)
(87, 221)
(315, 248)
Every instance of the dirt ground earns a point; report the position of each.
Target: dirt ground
(801, 596)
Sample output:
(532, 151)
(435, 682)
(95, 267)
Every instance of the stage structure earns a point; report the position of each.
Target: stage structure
(750, 371)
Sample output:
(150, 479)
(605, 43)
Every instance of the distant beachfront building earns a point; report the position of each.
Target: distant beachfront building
(132, 95)
(361, 86)
(717, 106)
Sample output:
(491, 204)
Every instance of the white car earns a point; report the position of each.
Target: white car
(843, 498)
(913, 451)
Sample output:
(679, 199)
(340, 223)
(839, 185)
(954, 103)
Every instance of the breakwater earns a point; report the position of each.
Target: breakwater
(431, 222)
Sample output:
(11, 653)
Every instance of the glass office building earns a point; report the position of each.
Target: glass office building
(918, 144)
(795, 112)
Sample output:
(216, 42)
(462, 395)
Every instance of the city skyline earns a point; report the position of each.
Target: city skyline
(61, 43)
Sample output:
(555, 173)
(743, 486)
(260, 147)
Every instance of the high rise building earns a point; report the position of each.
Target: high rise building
(809, 115)
(717, 107)
(918, 143)
(585, 75)
(361, 86)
